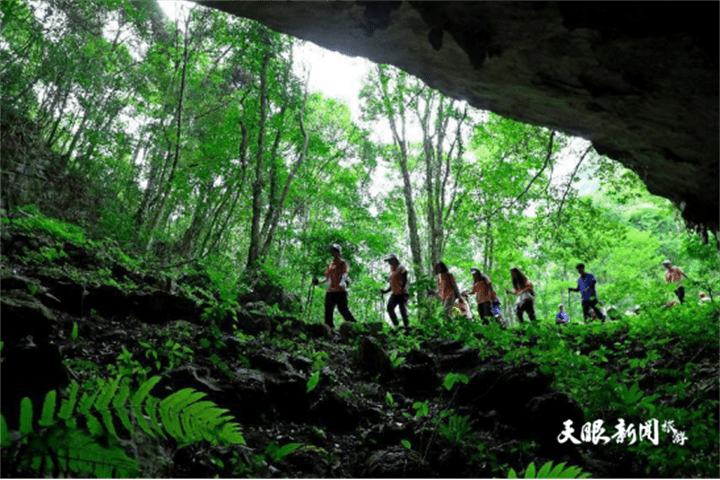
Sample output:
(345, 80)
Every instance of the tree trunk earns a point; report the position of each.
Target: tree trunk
(400, 144)
(259, 183)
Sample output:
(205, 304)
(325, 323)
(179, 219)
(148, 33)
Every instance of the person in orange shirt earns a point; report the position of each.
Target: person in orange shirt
(337, 274)
(447, 288)
(398, 280)
(675, 275)
(523, 288)
(462, 308)
(482, 287)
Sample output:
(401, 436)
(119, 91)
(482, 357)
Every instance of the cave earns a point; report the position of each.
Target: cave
(637, 79)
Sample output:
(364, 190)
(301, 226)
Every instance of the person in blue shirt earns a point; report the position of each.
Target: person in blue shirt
(562, 318)
(586, 287)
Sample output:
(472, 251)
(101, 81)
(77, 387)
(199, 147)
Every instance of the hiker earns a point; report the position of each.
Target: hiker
(461, 307)
(675, 275)
(447, 288)
(482, 288)
(398, 280)
(523, 289)
(497, 312)
(703, 298)
(562, 318)
(337, 274)
(586, 285)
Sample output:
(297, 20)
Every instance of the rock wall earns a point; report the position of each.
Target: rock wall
(638, 79)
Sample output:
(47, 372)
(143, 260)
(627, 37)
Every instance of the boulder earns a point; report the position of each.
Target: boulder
(288, 392)
(397, 462)
(70, 293)
(250, 393)
(267, 362)
(21, 314)
(419, 381)
(546, 415)
(334, 412)
(14, 282)
(504, 388)
(373, 359)
(109, 300)
(318, 330)
(460, 360)
(160, 307)
(250, 325)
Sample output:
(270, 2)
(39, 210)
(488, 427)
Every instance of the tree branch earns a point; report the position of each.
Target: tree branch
(569, 184)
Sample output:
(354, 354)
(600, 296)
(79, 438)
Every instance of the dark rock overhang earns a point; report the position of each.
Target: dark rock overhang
(638, 79)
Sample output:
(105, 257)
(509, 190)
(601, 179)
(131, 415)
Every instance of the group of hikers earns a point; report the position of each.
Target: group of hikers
(456, 302)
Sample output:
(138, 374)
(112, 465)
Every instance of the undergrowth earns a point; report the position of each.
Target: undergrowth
(84, 437)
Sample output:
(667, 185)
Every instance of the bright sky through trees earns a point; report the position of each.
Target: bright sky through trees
(340, 77)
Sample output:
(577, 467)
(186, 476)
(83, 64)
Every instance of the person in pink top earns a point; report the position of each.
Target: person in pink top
(523, 288)
(675, 275)
(447, 288)
(482, 287)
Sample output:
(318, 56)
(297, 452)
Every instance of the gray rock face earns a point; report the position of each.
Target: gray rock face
(640, 80)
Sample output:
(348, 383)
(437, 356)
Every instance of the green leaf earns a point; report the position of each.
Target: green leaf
(285, 450)
(512, 474)
(4, 432)
(75, 332)
(119, 404)
(151, 409)
(48, 411)
(544, 470)
(406, 444)
(530, 472)
(26, 416)
(313, 381)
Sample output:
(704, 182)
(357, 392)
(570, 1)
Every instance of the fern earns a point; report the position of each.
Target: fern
(547, 471)
(82, 436)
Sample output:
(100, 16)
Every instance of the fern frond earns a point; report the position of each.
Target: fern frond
(62, 445)
(547, 471)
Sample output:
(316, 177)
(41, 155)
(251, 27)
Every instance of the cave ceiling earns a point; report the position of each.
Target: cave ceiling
(638, 79)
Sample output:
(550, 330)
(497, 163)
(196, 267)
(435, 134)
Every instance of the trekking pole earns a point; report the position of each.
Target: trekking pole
(307, 301)
(382, 304)
(311, 298)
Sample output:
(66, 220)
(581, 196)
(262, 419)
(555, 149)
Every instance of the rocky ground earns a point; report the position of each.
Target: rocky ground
(374, 412)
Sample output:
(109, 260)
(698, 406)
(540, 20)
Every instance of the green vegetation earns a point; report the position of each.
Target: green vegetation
(186, 163)
(57, 443)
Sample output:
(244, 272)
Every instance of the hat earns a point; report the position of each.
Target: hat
(666, 262)
(391, 256)
(702, 295)
(561, 305)
(474, 269)
(335, 246)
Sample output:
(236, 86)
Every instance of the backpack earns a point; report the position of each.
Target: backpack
(345, 279)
